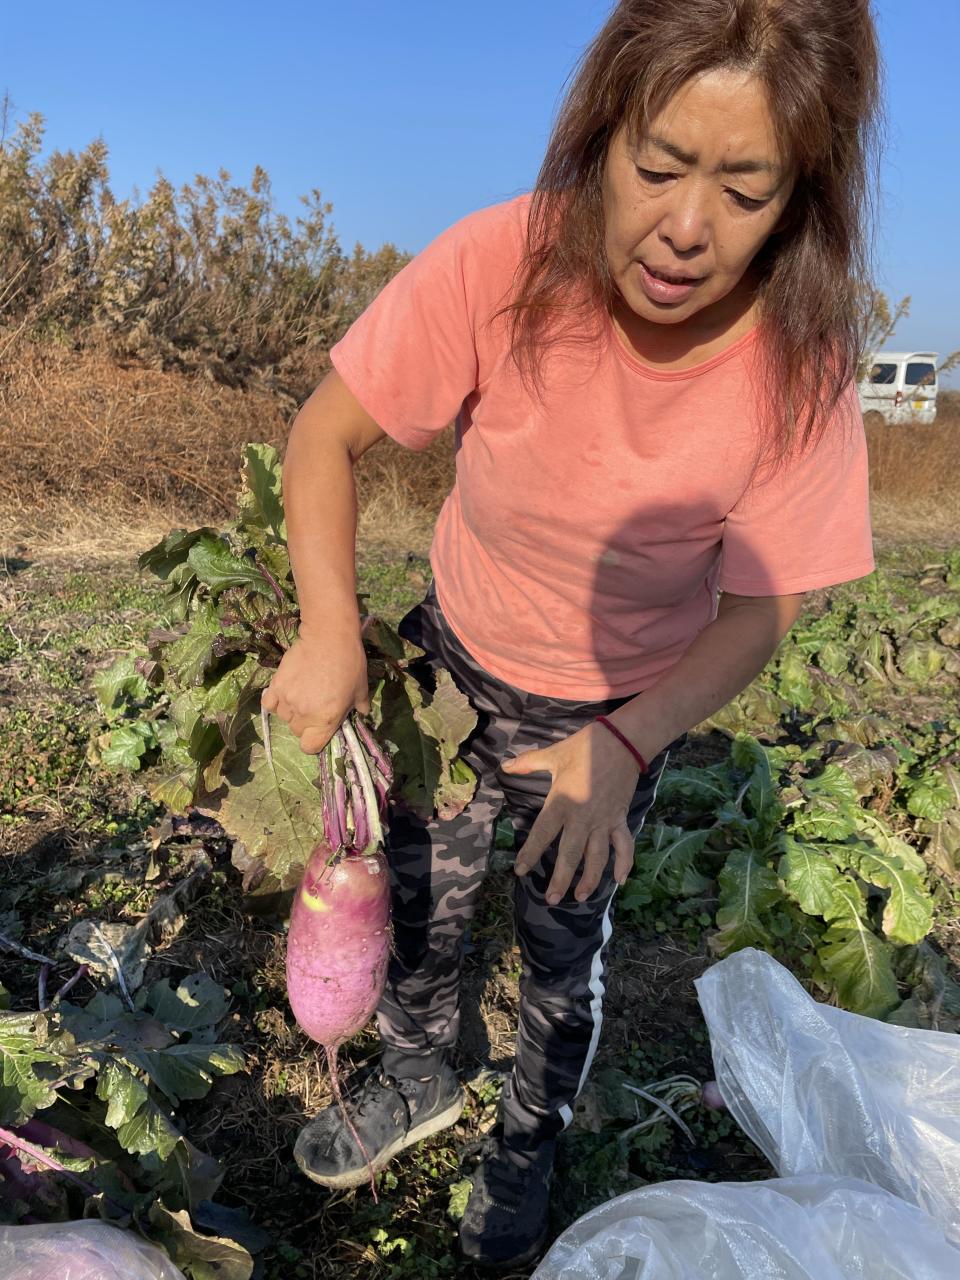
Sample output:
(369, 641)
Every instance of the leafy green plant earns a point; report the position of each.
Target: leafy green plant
(801, 868)
(88, 1103)
(190, 706)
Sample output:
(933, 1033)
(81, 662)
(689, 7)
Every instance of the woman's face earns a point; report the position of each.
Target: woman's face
(688, 204)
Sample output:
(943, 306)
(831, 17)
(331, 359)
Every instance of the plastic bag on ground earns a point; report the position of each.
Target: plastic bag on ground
(820, 1090)
(805, 1228)
(861, 1117)
(87, 1250)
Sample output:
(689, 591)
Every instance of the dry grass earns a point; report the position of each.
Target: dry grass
(915, 494)
(99, 457)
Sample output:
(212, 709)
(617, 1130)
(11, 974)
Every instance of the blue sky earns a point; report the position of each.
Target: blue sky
(409, 115)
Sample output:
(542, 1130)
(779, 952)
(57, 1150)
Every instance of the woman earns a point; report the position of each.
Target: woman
(659, 450)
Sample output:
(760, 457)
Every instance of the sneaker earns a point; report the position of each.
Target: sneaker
(505, 1223)
(388, 1115)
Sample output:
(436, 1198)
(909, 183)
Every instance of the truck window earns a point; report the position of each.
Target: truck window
(920, 374)
(884, 373)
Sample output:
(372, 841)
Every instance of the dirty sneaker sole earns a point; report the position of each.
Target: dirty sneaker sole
(359, 1177)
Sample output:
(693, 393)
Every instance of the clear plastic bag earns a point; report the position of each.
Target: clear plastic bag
(87, 1250)
(820, 1090)
(862, 1118)
(807, 1228)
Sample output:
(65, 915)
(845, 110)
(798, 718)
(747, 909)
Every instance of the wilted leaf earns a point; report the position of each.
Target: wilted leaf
(754, 711)
(866, 768)
(101, 946)
(920, 660)
(215, 1257)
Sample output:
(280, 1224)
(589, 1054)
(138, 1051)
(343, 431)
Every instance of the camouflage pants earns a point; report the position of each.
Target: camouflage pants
(437, 868)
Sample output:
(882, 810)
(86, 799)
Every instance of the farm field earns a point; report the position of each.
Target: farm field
(847, 749)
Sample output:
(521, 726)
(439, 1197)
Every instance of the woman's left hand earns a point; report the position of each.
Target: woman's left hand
(594, 780)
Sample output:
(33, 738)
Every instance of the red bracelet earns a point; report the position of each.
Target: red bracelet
(644, 767)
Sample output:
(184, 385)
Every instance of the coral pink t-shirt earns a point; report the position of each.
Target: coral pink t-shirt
(591, 524)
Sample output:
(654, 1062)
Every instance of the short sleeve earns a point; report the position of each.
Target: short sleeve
(808, 524)
(411, 358)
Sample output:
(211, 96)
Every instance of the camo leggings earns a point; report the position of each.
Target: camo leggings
(437, 868)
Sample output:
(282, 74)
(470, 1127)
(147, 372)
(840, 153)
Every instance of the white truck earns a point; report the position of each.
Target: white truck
(900, 386)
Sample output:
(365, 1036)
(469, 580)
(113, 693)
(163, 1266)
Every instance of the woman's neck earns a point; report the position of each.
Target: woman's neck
(681, 346)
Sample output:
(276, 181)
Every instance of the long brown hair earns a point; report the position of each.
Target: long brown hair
(819, 62)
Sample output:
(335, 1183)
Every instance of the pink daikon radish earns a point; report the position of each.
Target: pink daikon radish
(338, 945)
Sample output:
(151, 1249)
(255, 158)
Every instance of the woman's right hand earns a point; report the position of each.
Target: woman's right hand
(320, 680)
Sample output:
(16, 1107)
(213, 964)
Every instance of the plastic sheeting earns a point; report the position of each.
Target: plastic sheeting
(862, 1118)
(88, 1250)
(810, 1228)
(820, 1090)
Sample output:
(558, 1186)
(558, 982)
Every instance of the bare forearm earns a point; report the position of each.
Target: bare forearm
(331, 432)
(720, 663)
(320, 500)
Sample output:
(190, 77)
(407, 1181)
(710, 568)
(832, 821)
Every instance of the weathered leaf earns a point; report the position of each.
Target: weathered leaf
(866, 768)
(448, 717)
(101, 946)
(202, 1257)
(756, 710)
(868, 730)
(271, 806)
(455, 789)
(943, 845)
(920, 660)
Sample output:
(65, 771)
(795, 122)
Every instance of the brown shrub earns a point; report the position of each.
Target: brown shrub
(108, 457)
(104, 457)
